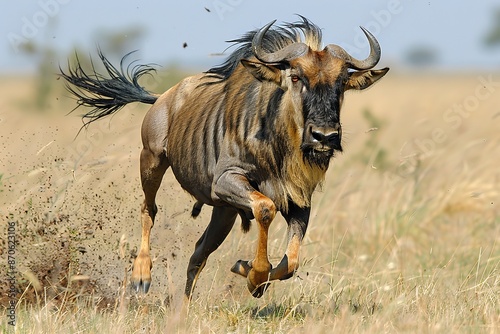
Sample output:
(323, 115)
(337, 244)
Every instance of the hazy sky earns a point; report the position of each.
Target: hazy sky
(455, 29)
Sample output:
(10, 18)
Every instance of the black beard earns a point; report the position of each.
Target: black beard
(318, 158)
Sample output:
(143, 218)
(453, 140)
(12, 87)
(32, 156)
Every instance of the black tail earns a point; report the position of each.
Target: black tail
(107, 95)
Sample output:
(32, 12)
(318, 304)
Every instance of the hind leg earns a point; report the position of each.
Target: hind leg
(153, 166)
(220, 225)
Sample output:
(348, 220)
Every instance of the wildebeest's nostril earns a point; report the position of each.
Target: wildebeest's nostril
(324, 136)
(332, 136)
(318, 136)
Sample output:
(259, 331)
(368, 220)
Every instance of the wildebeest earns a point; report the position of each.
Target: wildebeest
(250, 137)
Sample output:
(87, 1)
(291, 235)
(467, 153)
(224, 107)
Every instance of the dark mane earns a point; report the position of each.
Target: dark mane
(275, 39)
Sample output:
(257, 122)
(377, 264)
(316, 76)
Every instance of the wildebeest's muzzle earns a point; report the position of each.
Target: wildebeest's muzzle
(322, 138)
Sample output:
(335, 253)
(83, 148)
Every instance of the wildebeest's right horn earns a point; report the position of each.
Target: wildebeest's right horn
(289, 52)
(354, 63)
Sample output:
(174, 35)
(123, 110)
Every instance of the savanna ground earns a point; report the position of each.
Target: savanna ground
(404, 234)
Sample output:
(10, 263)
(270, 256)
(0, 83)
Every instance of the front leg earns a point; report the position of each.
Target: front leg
(297, 219)
(234, 188)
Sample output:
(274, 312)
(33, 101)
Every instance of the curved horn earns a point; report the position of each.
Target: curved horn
(354, 63)
(289, 52)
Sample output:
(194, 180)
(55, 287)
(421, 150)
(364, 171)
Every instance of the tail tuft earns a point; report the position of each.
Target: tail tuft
(107, 94)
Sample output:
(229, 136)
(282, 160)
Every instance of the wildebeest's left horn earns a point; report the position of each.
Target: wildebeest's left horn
(289, 52)
(354, 63)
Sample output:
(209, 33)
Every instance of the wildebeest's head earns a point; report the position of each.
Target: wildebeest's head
(314, 81)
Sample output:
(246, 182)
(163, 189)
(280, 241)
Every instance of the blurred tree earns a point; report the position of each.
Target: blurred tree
(421, 56)
(120, 42)
(492, 38)
(114, 45)
(44, 54)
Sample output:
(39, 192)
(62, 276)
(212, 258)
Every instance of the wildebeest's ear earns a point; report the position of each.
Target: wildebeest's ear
(364, 79)
(263, 72)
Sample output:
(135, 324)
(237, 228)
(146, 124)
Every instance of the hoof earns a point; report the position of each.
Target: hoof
(141, 286)
(141, 274)
(241, 268)
(287, 276)
(258, 291)
(258, 282)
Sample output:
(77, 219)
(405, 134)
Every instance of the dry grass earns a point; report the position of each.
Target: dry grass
(402, 238)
